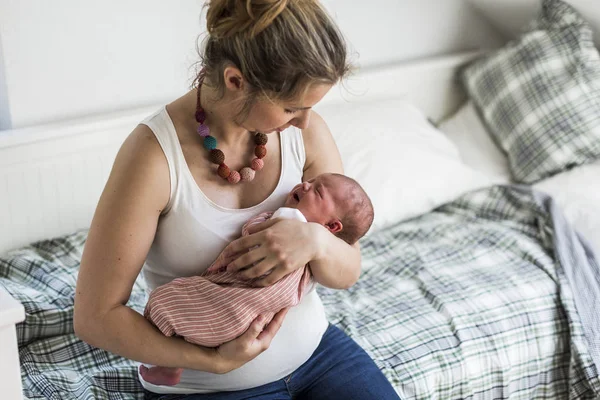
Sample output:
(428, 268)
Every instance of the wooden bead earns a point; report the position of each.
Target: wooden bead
(217, 156)
(234, 177)
(261, 139)
(260, 151)
(246, 174)
(223, 171)
(257, 164)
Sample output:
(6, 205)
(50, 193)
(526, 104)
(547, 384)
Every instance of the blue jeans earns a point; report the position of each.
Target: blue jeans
(338, 369)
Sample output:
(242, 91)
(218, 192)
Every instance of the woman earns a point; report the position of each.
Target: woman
(173, 202)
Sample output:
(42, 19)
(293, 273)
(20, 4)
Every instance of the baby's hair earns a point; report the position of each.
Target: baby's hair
(357, 214)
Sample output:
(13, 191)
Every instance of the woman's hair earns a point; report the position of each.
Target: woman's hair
(280, 46)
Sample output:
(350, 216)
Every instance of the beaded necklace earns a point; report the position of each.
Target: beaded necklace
(245, 174)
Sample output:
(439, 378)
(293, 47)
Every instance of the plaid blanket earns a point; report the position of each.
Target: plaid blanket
(466, 302)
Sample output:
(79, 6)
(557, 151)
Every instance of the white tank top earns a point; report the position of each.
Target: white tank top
(192, 231)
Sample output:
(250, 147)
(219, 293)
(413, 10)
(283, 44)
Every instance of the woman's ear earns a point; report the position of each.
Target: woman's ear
(334, 226)
(233, 78)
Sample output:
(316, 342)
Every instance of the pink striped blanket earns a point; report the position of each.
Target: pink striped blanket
(217, 307)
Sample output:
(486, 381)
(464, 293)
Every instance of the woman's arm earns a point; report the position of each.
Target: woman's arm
(336, 264)
(120, 236)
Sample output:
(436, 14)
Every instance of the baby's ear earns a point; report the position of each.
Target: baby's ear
(334, 226)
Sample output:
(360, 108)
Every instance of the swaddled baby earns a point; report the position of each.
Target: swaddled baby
(219, 306)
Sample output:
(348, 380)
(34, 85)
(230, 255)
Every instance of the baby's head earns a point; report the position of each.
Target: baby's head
(335, 201)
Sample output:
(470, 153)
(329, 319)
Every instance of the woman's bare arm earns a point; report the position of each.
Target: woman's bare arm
(336, 263)
(120, 236)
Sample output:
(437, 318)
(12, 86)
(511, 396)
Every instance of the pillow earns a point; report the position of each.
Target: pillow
(577, 192)
(466, 130)
(539, 96)
(404, 163)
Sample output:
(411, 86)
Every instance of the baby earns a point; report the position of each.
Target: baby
(219, 306)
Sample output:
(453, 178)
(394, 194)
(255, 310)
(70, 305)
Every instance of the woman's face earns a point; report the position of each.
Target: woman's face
(268, 116)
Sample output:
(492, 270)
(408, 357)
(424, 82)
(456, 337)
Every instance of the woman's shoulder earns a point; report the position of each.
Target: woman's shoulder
(141, 146)
(140, 161)
(316, 134)
(322, 154)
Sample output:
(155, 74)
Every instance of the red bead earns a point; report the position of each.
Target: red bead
(223, 171)
(257, 164)
(260, 151)
(200, 116)
(261, 138)
(217, 156)
(246, 174)
(234, 177)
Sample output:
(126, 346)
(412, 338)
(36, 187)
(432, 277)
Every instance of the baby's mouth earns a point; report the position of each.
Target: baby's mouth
(296, 197)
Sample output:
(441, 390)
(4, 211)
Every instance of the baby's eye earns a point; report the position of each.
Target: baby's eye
(288, 111)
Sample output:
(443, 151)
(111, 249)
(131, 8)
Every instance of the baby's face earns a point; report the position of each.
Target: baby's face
(316, 199)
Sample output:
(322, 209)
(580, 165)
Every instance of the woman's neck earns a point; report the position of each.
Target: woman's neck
(219, 116)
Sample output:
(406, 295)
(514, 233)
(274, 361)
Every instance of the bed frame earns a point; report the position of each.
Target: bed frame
(51, 176)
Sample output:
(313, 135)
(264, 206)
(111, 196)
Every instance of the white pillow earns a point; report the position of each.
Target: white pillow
(477, 149)
(577, 192)
(404, 163)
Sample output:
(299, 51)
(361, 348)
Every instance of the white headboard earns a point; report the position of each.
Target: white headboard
(51, 176)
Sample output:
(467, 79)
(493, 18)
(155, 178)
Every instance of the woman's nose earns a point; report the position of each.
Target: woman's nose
(301, 121)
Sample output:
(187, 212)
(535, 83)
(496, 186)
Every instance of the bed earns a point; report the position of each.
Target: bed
(467, 292)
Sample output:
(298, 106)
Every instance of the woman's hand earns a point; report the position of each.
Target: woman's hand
(283, 246)
(228, 356)
(255, 340)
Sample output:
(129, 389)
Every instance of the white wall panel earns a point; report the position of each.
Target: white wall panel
(511, 16)
(65, 59)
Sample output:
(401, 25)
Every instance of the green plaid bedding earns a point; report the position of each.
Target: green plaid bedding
(466, 302)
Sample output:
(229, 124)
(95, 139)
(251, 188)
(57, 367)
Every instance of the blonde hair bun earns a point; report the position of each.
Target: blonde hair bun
(281, 47)
(226, 18)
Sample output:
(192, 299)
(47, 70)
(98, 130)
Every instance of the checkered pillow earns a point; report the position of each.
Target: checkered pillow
(540, 95)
